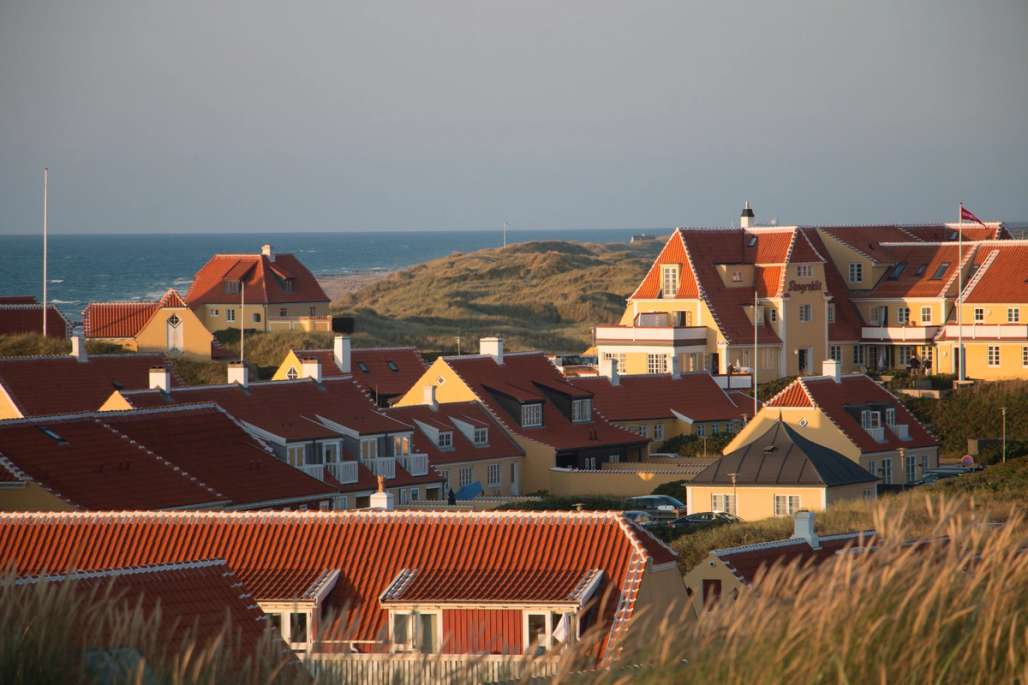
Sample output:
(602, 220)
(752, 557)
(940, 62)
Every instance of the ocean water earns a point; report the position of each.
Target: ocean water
(91, 268)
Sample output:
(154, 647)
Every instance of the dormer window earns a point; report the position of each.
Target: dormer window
(736, 277)
(896, 271)
(870, 420)
(232, 287)
(890, 416)
(582, 410)
(531, 415)
(287, 285)
(669, 280)
(445, 440)
(481, 437)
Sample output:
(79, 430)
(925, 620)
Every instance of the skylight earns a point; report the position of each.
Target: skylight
(392, 365)
(752, 242)
(937, 276)
(897, 271)
(920, 269)
(362, 366)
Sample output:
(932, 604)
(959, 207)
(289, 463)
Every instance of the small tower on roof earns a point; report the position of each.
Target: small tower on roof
(746, 218)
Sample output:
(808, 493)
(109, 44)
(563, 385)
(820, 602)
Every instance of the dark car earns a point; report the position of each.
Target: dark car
(657, 506)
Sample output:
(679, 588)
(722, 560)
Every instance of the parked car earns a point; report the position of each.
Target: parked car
(686, 524)
(640, 517)
(657, 506)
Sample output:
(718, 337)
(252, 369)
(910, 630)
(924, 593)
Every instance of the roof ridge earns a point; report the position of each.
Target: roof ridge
(979, 273)
(242, 516)
(98, 414)
(118, 571)
(786, 542)
(956, 273)
(675, 233)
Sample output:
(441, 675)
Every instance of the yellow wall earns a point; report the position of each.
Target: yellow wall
(661, 596)
(452, 389)
(842, 255)
(818, 429)
(1011, 366)
(297, 316)
(31, 498)
(116, 402)
(614, 482)
(711, 568)
(196, 339)
(7, 408)
(291, 361)
(755, 502)
(672, 428)
(480, 473)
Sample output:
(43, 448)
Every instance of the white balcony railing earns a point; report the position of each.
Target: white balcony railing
(662, 334)
(381, 466)
(901, 430)
(415, 464)
(314, 470)
(899, 333)
(343, 471)
(878, 434)
(989, 331)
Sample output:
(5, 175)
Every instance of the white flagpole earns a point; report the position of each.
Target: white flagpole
(242, 316)
(960, 293)
(45, 173)
(505, 234)
(755, 359)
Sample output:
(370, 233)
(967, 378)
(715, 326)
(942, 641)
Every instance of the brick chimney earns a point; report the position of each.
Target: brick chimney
(341, 352)
(239, 373)
(160, 378)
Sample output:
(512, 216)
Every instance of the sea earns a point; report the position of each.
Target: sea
(133, 267)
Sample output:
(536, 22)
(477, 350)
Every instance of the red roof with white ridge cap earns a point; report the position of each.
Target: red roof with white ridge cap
(266, 281)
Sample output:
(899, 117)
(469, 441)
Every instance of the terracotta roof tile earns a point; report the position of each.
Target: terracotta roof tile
(492, 585)
(1006, 278)
(368, 548)
(18, 318)
(389, 371)
(672, 253)
(499, 445)
(123, 319)
(643, 397)
(60, 384)
(265, 281)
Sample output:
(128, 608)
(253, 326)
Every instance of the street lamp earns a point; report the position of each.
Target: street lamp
(1003, 411)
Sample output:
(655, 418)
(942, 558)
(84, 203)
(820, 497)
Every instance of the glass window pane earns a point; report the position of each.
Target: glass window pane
(297, 627)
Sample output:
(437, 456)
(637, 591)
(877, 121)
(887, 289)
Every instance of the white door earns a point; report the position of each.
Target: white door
(174, 333)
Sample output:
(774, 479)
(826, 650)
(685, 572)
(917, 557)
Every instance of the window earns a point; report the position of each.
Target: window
(369, 448)
(886, 472)
(870, 419)
(658, 429)
(481, 436)
(415, 494)
(773, 313)
(298, 626)
(890, 416)
(656, 363)
(903, 315)
(858, 354)
(669, 280)
(831, 312)
(911, 466)
(215, 313)
(445, 439)
(1024, 356)
(287, 285)
(896, 271)
(467, 476)
(1013, 315)
(736, 277)
(722, 503)
(805, 312)
(920, 269)
(979, 315)
(232, 287)
(940, 271)
(362, 366)
(291, 374)
(294, 454)
(804, 270)
(415, 632)
(856, 273)
(835, 352)
(283, 311)
(230, 314)
(531, 415)
(715, 428)
(641, 431)
(324, 505)
(581, 410)
(313, 311)
(700, 430)
(993, 355)
(493, 474)
(786, 505)
(926, 315)
(330, 452)
(618, 357)
(256, 317)
(401, 445)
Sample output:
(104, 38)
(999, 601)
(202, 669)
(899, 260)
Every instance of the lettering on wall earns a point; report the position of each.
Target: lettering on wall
(795, 287)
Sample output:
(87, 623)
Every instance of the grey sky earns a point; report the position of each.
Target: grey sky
(196, 115)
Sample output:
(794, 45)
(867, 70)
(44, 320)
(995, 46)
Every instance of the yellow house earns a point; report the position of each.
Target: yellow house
(726, 571)
(265, 292)
(167, 325)
(854, 416)
(778, 473)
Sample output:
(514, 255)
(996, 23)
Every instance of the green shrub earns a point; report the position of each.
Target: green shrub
(695, 446)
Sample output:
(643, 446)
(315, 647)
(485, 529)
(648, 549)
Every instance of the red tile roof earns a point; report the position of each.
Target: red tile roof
(522, 376)
(124, 319)
(84, 461)
(380, 377)
(277, 584)
(60, 384)
(644, 397)
(841, 403)
(491, 586)
(289, 409)
(265, 280)
(368, 548)
(18, 299)
(205, 442)
(1003, 278)
(918, 277)
(194, 598)
(672, 253)
(28, 318)
(500, 444)
(748, 561)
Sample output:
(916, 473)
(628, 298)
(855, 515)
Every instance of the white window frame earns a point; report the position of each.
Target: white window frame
(773, 314)
(785, 505)
(582, 410)
(214, 313)
(804, 270)
(413, 641)
(445, 440)
(1013, 314)
(992, 356)
(670, 280)
(856, 272)
(736, 277)
(911, 468)
(806, 312)
(369, 448)
(658, 431)
(292, 374)
(886, 470)
(723, 502)
(401, 445)
(979, 314)
(656, 363)
(890, 416)
(926, 315)
(531, 415)
(230, 314)
(466, 476)
(1024, 356)
(481, 436)
(831, 312)
(493, 474)
(903, 315)
(295, 454)
(835, 352)
(549, 641)
(870, 418)
(858, 354)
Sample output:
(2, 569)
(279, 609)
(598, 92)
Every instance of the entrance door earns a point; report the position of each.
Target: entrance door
(174, 333)
(803, 360)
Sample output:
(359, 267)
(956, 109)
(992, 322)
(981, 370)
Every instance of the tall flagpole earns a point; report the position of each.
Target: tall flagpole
(756, 361)
(960, 293)
(242, 316)
(44, 247)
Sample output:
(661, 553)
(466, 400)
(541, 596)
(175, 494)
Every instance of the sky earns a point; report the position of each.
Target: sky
(335, 115)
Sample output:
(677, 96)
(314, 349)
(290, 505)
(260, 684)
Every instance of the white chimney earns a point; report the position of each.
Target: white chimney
(676, 366)
(382, 499)
(160, 378)
(239, 373)
(312, 369)
(832, 369)
(267, 252)
(78, 348)
(803, 529)
(492, 347)
(747, 219)
(430, 399)
(341, 352)
(609, 368)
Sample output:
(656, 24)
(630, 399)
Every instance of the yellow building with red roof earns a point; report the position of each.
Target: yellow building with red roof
(167, 325)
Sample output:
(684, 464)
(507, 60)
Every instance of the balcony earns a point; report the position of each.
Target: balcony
(921, 334)
(313, 470)
(675, 336)
(994, 331)
(344, 471)
(381, 466)
(876, 433)
(901, 430)
(415, 464)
